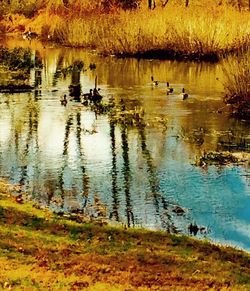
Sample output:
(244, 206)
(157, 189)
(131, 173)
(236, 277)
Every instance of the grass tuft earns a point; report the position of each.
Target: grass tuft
(237, 85)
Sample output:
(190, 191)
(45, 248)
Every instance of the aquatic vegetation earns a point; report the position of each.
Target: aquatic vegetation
(77, 65)
(17, 64)
(234, 141)
(17, 58)
(163, 34)
(237, 85)
(15, 88)
(132, 117)
(221, 158)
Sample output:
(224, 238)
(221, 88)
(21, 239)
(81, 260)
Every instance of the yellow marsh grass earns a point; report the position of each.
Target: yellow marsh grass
(187, 31)
(237, 84)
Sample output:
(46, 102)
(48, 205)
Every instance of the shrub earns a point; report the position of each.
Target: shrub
(27, 8)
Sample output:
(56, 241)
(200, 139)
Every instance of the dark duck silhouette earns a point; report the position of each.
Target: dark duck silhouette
(97, 97)
(154, 82)
(193, 228)
(64, 100)
(183, 94)
(87, 97)
(30, 34)
(169, 89)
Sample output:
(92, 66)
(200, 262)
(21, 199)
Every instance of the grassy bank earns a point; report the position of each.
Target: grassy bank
(46, 252)
(197, 32)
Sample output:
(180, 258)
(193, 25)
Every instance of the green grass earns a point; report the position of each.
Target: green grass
(40, 250)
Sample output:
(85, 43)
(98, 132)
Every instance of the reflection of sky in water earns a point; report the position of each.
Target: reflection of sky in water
(65, 154)
(218, 199)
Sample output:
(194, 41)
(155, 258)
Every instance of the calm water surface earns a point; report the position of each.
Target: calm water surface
(71, 159)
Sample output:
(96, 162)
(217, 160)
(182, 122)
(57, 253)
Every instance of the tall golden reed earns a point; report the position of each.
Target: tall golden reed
(237, 84)
(194, 31)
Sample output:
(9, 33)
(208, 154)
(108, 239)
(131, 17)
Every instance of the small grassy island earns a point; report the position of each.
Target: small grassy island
(40, 250)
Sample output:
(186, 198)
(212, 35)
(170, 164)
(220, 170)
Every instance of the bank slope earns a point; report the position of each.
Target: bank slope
(43, 251)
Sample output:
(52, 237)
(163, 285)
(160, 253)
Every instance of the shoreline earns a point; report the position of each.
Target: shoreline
(41, 250)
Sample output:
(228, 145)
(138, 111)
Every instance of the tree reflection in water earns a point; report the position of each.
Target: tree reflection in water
(85, 178)
(129, 116)
(138, 170)
(114, 173)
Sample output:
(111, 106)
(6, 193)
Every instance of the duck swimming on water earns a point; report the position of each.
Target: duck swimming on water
(88, 96)
(154, 82)
(97, 97)
(169, 89)
(64, 100)
(29, 34)
(183, 94)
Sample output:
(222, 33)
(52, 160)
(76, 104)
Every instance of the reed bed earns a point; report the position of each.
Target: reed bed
(237, 85)
(173, 32)
(201, 31)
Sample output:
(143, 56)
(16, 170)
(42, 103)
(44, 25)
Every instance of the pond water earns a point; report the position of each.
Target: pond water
(73, 159)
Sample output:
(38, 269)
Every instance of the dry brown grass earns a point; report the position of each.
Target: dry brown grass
(199, 32)
(172, 32)
(237, 85)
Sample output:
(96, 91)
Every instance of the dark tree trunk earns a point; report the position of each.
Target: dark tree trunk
(187, 3)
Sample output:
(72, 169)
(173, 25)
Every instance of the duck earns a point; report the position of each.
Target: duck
(64, 100)
(183, 94)
(169, 89)
(97, 97)
(30, 34)
(154, 82)
(88, 96)
(193, 228)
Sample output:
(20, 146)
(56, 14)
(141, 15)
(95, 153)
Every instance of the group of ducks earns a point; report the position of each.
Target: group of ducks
(95, 97)
(92, 97)
(170, 90)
